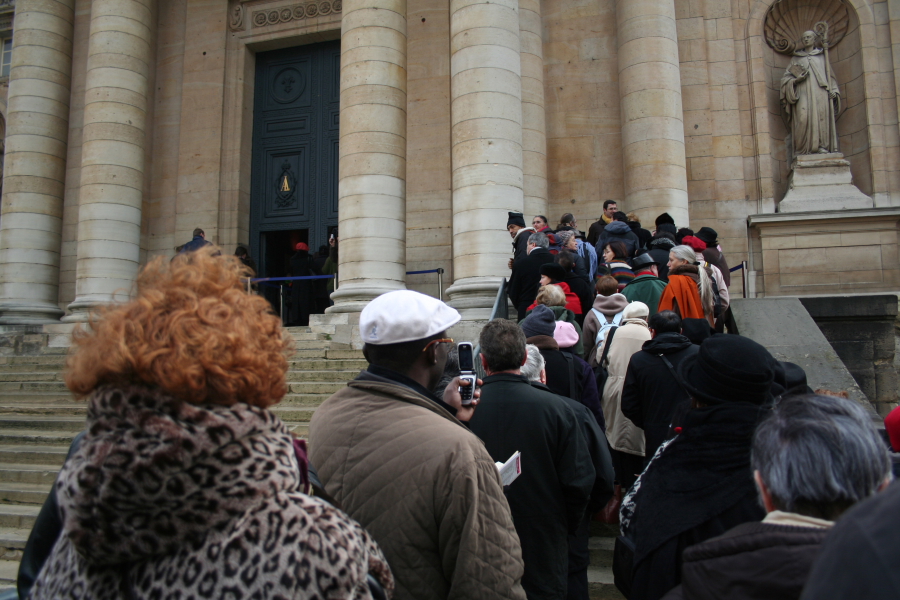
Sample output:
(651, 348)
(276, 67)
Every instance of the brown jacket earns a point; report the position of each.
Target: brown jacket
(424, 486)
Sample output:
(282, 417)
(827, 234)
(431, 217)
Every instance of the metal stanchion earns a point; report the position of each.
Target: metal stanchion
(440, 273)
(281, 302)
(744, 276)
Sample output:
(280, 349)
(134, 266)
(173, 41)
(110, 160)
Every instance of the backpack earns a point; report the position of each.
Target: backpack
(605, 325)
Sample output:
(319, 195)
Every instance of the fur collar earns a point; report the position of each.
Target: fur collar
(685, 270)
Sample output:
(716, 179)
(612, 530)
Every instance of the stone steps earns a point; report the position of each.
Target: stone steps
(39, 418)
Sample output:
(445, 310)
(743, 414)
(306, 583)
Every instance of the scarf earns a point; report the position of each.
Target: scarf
(682, 290)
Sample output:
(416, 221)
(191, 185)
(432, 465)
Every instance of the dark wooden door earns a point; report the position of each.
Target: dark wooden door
(295, 150)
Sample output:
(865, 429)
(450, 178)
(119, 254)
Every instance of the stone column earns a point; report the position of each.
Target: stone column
(112, 163)
(486, 140)
(652, 117)
(37, 131)
(372, 161)
(534, 128)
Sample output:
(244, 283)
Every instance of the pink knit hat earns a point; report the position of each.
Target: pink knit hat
(565, 334)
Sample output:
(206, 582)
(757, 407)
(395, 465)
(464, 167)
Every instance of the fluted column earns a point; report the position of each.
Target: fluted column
(372, 162)
(486, 139)
(37, 131)
(652, 117)
(534, 128)
(112, 164)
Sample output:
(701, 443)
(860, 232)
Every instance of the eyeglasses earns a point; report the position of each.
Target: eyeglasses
(440, 341)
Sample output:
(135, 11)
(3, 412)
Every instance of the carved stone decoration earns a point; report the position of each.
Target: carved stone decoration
(297, 12)
(787, 21)
(288, 85)
(236, 21)
(285, 186)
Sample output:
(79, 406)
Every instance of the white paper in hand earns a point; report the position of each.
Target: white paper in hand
(510, 470)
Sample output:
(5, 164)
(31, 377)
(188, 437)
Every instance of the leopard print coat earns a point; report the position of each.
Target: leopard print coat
(170, 500)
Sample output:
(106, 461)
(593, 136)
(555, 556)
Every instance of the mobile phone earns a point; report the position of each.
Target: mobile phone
(466, 371)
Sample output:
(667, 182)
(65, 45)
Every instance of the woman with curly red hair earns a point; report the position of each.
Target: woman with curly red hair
(184, 483)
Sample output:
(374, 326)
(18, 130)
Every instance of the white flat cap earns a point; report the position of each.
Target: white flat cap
(404, 316)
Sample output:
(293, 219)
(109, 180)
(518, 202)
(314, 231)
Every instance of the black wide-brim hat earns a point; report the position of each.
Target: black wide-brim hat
(708, 235)
(729, 368)
(554, 271)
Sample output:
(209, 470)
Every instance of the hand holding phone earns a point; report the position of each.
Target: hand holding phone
(466, 372)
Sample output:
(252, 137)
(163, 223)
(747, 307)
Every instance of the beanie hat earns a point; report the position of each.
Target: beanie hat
(565, 335)
(729, 368)
(664, 218)
(515, 218)
(708, 235)
(554, 271)
(892, 426)
(301, 246)
(695, 243)
(541, 321)
(662, 241)
(563, 237)
(636, 310)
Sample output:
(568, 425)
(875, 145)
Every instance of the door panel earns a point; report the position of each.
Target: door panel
(295, 145)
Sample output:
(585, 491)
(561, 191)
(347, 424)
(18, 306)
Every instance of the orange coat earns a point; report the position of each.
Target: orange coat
(682, 296)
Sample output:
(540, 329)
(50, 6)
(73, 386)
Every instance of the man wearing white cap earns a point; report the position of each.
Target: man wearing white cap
(401, 462)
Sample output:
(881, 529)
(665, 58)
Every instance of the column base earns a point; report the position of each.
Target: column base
(79, 311)
(21, 313)
(353, 297)
(474, 297)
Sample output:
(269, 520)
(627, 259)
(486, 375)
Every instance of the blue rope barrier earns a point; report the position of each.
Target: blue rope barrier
(262, 279)
(422, 272)
(737, 268)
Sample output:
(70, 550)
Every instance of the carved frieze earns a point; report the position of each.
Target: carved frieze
(297, 12)
(787, 21)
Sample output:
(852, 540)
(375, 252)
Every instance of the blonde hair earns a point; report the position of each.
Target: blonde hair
(551, 295)
(707, 298)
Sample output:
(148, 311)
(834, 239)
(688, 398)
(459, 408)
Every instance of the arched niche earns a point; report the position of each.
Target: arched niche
(854, 62)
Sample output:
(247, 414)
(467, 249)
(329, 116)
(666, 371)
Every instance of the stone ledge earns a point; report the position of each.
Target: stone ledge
(880, 307)
(823, 215)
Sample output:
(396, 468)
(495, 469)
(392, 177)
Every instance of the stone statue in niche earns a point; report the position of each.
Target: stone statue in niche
(811, 99)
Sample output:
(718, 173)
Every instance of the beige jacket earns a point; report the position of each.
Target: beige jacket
(623, 435)
(423, 486)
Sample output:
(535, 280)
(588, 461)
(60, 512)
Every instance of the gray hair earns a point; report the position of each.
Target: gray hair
(819, 455)
(540, 240)
(534, 364)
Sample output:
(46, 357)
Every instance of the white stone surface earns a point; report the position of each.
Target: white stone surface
(35, 161)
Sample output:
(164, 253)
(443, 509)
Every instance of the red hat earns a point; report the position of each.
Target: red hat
(892, 426)
(696, 243)
(301, 246)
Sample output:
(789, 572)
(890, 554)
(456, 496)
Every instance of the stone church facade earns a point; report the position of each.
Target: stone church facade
(413, 126)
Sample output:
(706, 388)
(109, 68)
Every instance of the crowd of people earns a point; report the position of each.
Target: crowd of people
(668, 268)
(724, 471)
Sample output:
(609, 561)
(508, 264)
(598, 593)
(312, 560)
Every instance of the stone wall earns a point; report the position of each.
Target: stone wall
(862, 330)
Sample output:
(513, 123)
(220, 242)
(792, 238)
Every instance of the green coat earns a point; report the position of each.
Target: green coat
(564, 314)
(646, 289)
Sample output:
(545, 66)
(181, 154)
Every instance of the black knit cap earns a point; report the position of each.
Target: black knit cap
(515, 218)
(667, 228)
(729, 368)
(541, 321)
(554, 271)
(708, 235)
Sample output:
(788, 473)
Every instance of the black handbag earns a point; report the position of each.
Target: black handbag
(623, 564)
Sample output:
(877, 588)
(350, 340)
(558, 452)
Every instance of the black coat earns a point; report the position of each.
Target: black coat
(549, 498)
(662, 263)
(583, 290)
(642, 234)
(594, 231)
(559, 377)
(302, 291)
(520, 243)
(651, 393)
(526, 279)
(859, 557)
(753, 561)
